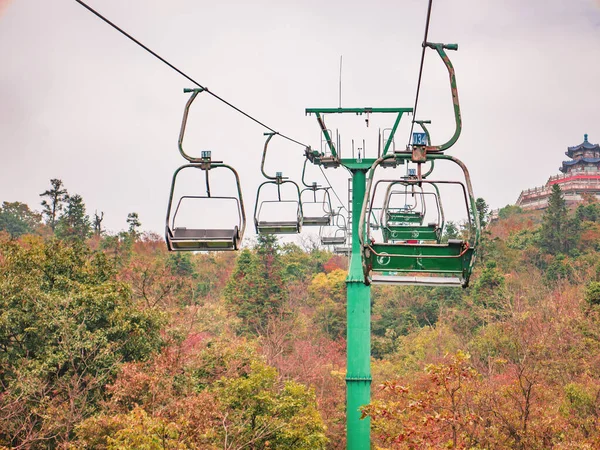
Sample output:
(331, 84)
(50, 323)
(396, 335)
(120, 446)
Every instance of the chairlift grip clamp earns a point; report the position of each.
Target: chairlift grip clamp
(436, 45)
(196, 90)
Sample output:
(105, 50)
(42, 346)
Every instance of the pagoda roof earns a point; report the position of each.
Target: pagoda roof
(574, 162)
(585, 145)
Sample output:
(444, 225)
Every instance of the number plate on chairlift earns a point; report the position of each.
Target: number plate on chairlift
(419, 139)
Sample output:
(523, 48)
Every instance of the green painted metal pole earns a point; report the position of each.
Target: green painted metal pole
(358, 370)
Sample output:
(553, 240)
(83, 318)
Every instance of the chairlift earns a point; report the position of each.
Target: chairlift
(400, 226)
(180, 238)
(310, 217)
(340, 232)
(414, 262)
(268, 226)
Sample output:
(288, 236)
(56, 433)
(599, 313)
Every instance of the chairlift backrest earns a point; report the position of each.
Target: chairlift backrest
(416, 261)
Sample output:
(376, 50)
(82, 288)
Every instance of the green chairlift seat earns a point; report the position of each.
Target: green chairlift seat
(404, 263)
(402, 228)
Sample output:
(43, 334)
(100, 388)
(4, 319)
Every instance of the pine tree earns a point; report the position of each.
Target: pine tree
(555, 235)
(483, 211)
(57, 196)
(133, 220)
(74, 223)
(255, 290)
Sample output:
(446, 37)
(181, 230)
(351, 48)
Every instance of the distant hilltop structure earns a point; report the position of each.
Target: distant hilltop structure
(580, 176)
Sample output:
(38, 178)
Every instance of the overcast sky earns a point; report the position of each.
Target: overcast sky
(81, 103)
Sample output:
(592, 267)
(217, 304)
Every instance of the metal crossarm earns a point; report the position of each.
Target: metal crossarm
(319, 112)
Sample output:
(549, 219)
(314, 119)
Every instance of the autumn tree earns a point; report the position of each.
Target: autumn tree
(17, 219)
(66, 325)
(217, 394)
(327, 293)
(434, 412)
(57, 196)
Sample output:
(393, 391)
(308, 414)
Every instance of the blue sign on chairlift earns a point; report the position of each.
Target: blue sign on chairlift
(419, 139)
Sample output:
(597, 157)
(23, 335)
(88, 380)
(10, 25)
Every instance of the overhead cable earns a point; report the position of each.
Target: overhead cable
(180, 72)
(421, 69)
(333, 190)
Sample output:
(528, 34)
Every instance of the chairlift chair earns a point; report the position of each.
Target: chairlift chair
(269, 226)
(404, 230)
(195, 239)
(340, 232)
(180, 238)
(310, 218)
(414, 262)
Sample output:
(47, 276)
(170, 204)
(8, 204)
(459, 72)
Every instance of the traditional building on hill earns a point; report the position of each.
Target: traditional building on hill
(580, 176)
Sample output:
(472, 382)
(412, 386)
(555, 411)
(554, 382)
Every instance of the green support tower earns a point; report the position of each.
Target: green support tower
(358, 370)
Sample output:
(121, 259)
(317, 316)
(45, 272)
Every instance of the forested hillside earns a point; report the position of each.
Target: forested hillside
(107, 341)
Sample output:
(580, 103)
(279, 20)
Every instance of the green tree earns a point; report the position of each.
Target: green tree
(489, 292)
(327, 292)
(557, 232)
(450, 231)
(17, 219)
(57, 196)
(255, 290)
(74, 223)
(483, 211)
(592, 293)
(589, 212)
(259, 412)
(133, 220)
(66, 326)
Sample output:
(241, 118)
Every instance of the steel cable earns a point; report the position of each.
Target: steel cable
(180, 72)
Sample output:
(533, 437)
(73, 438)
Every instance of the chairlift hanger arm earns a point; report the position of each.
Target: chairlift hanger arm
(453, 86)
(314, 186)
(186, 111)
(264, 156)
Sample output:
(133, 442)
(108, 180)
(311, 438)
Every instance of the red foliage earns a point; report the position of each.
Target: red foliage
(335, 262)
